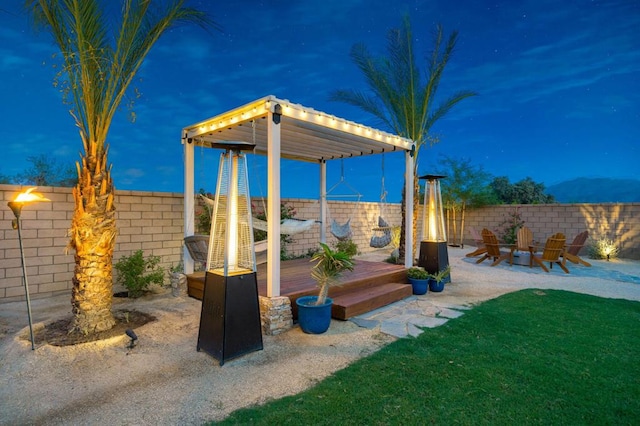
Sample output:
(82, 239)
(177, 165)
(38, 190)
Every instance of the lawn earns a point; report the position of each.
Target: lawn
(531, 357)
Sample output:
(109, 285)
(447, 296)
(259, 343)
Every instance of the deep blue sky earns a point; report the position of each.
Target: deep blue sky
(558, 84)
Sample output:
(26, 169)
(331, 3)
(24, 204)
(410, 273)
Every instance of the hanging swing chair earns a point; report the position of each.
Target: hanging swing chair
(343, 231)
(382, 233)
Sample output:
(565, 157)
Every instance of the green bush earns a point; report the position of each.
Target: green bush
(510, 226)
(417, 273)
(603, 248)
(135, 272)
(347, 246)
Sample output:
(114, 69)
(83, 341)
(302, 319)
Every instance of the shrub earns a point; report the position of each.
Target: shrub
(418, 273)
(135, 273)
(510, 226)
(603, 248)
(347, 246)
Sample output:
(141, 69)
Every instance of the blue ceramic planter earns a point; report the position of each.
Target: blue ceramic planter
(419, 286)
(311, 318)
(435, 286)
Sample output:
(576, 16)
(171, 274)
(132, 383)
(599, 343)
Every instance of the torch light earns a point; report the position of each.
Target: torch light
(16, 206)
(230, 317)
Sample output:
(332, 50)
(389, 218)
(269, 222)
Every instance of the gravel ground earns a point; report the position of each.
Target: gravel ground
(165, 381)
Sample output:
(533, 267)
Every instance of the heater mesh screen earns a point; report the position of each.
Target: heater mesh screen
(231, 238)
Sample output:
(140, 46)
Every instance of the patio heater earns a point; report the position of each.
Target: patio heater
(16, 207)
(433, 246)
(230, 316)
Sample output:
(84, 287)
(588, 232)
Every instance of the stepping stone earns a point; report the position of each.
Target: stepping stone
(450, 313)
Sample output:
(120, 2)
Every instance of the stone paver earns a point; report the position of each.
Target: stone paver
(408, 317)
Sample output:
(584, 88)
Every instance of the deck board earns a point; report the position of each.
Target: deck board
(296, 281)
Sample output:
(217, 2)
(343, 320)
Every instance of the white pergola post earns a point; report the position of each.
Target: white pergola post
(323, 201)
(189, 201)
(273, 201)
(408, 226)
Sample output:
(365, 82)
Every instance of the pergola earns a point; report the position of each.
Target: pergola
(282, 129)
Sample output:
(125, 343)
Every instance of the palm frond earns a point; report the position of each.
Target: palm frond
(99, 73)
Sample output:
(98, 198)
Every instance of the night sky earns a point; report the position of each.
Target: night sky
(558, 85)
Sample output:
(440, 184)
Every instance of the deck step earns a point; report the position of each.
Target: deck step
(195, 285)
(365, 299)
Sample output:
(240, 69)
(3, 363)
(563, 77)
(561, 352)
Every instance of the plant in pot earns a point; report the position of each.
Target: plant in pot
(437, 279)
(314, 312)
(419, 279)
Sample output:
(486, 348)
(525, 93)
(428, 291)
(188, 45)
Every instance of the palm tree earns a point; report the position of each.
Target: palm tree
(98, 74)
(399, 98)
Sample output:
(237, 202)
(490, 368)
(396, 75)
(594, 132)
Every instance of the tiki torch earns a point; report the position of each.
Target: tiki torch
(16, 206)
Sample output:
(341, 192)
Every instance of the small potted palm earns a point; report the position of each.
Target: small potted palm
(438, 279)
(314, 312)
(419, 279)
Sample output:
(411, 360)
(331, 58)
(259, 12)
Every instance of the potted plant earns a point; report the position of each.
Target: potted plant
(437, 279)
(314, 312)
(419, 279)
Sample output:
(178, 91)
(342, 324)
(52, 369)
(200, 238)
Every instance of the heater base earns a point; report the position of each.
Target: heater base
(434, 257)
(230, 316)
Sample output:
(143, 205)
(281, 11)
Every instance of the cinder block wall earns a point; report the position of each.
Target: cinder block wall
(153, 222)
(148, 221)
(619, 222)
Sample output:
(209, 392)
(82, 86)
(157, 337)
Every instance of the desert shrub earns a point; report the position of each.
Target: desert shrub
(347, 246)
(135, 273)
(603, 248)
(510, 225)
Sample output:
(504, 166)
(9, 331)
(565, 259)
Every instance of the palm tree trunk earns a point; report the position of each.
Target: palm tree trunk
(93, 237)
(416, 211)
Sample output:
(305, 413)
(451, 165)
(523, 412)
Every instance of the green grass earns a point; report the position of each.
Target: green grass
(531, 357)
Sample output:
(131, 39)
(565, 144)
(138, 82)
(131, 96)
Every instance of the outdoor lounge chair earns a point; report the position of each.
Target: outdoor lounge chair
(493, 249)
(524, 239)
(477, 238)
(572, 250)
(198, 247)
(552, 253)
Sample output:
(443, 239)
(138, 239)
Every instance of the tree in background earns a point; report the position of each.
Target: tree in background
(46, 171)
(465, 186)
(525, 191)
(100, 60)
(400, 97)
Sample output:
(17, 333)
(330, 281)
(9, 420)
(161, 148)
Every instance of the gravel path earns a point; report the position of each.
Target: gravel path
(165, 381)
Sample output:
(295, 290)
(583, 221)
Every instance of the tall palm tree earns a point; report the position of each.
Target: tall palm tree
(399, 97)
(99, 65)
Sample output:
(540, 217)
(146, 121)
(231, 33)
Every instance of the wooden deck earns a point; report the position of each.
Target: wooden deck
(369, 286)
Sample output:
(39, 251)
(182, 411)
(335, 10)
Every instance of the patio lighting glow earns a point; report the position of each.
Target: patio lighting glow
(432, 216)
(16, 206)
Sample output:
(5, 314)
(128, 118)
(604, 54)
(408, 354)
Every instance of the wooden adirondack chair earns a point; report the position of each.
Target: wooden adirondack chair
(552, 252)
(572, 250)
(493, 249)
(477, 238)
(524, 239)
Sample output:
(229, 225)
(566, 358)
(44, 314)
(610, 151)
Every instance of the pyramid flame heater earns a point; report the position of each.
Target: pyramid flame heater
(230, 316)
(433, 246)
